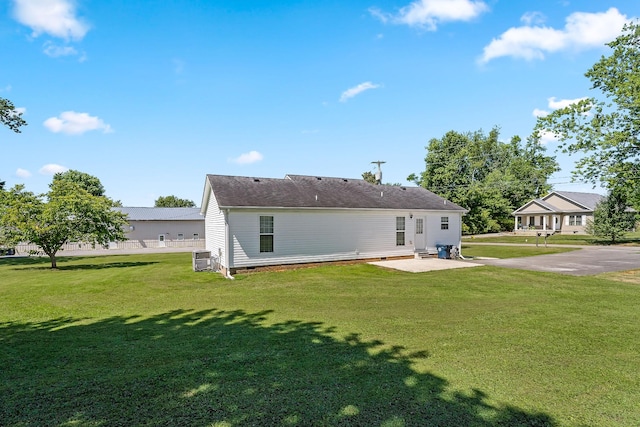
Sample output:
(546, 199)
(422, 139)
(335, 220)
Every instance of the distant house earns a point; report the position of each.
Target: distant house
(253, 222)
(565, 212)
(162, 227)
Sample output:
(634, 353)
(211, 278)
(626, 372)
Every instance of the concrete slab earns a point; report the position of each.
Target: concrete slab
(423, 265)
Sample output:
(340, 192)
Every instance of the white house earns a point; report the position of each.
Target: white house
(253, 222)
(162, 227)
(564, 212)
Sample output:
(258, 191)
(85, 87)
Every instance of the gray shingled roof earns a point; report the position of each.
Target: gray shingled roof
(161, 214)
(588, 200)
(300, 191)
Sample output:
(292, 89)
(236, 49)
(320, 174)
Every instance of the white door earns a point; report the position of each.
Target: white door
(161, 241)
(419, 238)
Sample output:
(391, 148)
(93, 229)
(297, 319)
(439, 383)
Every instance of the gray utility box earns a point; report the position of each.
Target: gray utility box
(201, 260)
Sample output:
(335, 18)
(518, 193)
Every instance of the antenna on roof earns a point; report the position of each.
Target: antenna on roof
(378, 174)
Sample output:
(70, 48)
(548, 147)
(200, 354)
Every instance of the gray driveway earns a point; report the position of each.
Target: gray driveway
(582, 262)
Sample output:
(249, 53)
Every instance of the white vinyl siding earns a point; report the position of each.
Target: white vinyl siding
(314, 236)
(215, 230)
(328, 235)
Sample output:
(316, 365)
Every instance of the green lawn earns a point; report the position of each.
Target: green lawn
(142, 340)
(556, 239)
(497, 251)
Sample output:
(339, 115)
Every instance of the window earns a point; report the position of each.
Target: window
(266, 234)
(575, 219)
(180, 236)
(444, 223)
(419, 226)
(196, 236)
(400, 227)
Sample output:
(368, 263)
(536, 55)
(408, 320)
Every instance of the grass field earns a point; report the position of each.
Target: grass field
(556, 239)
(496, 251)
(136, 340)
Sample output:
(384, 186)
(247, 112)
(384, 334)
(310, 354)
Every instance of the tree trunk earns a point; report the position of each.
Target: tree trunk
(52, 257)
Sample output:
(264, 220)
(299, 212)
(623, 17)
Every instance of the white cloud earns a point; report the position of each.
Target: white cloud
(73, 123)
(556, 104)
(539, 113)
(562, 103)
(582, 31)
(356, 90)
(54, 17)
(248, 158)
(533, 18)
(22, 173)
(547, 137)
(429, 13)
(52, 169)
(55, 51)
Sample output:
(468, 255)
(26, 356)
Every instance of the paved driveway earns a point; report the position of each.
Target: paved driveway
(581, 262)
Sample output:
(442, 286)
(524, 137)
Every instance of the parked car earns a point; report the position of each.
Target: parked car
(7, 251)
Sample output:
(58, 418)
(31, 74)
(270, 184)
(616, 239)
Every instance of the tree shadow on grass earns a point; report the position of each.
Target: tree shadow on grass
(222, 368)
(70, 263)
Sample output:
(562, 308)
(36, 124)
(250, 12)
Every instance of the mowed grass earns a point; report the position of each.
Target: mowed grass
(143, 340)
(556, 239)
(497, 251)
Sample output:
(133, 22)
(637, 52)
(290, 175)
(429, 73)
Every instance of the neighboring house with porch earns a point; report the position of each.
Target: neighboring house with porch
(565, 212)
(253, 222)
(162, 227)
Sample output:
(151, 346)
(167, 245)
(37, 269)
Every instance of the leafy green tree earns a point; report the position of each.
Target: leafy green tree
(89, 183)
(612, 218)
(67, 213)
(10, 116)
(369, 177)
(606, 131)
(173, 202)
(488, 177)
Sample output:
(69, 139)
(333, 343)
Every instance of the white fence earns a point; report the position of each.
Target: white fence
(23, 248)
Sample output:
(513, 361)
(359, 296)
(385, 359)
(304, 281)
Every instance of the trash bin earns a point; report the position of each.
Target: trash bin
(444, 251)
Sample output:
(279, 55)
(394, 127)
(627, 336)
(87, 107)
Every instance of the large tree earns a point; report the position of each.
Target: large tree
(85, 181)
(10, 116)
(606, 130)
(488, 177)
(612, 218)
(173, 202)
(67, 213)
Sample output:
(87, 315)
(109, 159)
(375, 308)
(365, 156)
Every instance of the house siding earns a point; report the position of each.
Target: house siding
(563, 204)
(329, 235)
(534, 208)
(149, 230)
(215, 230)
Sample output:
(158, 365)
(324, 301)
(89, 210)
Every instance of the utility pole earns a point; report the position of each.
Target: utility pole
(379, 172)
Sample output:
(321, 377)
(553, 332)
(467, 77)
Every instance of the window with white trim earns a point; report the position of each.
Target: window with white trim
(419, 226)
(180, 236)
(400, 227)
(444, 223)
(575, 220)
(266, 234)
(196, 236)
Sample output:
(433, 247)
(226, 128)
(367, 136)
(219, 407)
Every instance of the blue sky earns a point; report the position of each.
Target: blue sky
(150, 96)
